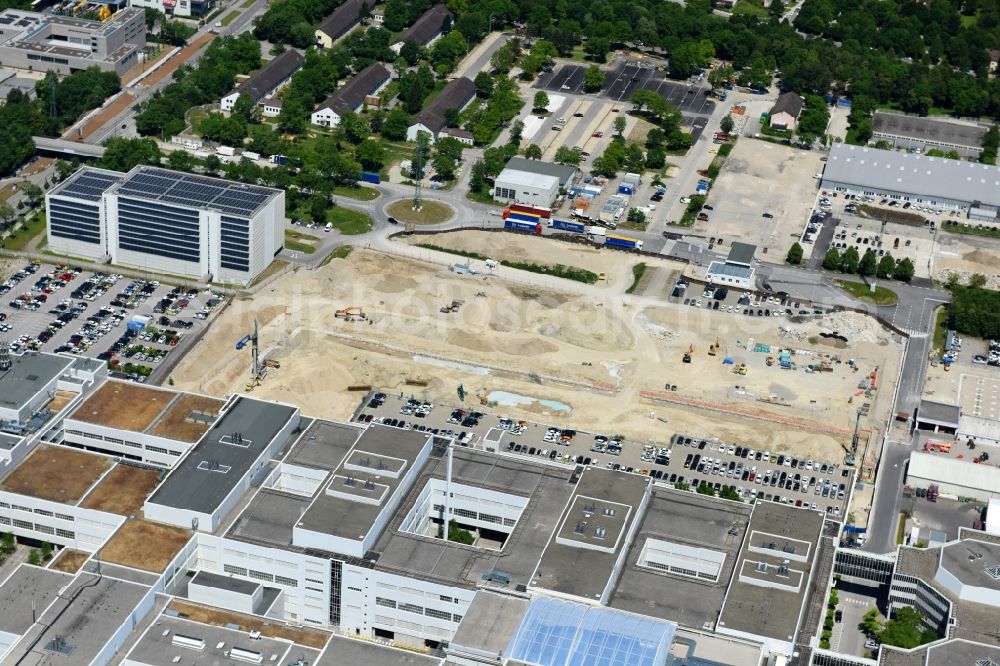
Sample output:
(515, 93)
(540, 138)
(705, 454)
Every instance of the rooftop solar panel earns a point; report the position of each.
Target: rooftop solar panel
(88, 184)
(195, 191)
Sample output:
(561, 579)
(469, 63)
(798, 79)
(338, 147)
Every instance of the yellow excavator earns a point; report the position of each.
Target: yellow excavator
(713, 348)
(687, 355)
(354, 311)
(741, 369)
(769, 360)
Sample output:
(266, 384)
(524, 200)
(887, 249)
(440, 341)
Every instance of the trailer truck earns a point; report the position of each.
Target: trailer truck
(565, 225)
(518, 225)
(228, 151)
(530, 210)
(623, 241)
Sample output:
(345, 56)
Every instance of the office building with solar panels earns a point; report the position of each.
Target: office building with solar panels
(167, 222)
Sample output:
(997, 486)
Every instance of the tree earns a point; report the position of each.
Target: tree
(541, 102)
(317, 208)
(516, 132)
(46, 551)
(871, 622)
(245, 109)
(533, 152)
(904, 270)
(477, 177)
(354, 127)
(410, 52)
(567, 155)
(458, 535)
(636, 216)
(730, 493)
(34, 558)
(831, 261)
(121, 154)
(371, 154)
(794, 255)
(503, 59)
(868, 263)
(903, 629)
(593, 79)
(635, 160)
(705, 489)
(444, 166)
(726, 124)
(977, 281)
(597, 49)
(396, 124)
(656, 158)
(619, 125)
(721, 76)
(7, 543)
(7, 213)
(484, 84)
(776, 9)
(33, 193)
(180, 160)
(849, 260)
(886, 267)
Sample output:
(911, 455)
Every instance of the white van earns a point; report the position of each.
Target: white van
(329, 226)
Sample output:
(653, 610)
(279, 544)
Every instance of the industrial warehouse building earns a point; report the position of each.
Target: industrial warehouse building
(167, 222)
(961, 478)
(936, 181)
(737, 270)
(62, 44)
(532, 182)
(916, 133)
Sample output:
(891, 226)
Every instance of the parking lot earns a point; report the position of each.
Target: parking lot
(65, 309)
(626, 78)
(758, 179)
(686, 460)
(863, 231)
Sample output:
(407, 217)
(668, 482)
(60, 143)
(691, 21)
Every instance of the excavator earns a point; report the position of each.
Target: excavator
(741, 369)
(713, 348)
(349, 313)
(687, 355)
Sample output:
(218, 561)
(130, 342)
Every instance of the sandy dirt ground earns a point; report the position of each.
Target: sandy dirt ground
(221, 618)
(956, 254)
(69, 560)
(593, 351)
(761, 177)
(144, 545)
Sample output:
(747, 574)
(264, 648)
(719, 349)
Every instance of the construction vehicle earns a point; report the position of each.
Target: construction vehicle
(713, 348)
(769, 361)
(350, 313)
(741, 369)
(932, 493)
(271, 363)
(687, 355)
(257, 370)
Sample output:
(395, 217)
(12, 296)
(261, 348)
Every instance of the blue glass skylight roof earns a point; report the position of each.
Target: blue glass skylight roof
(564, 633)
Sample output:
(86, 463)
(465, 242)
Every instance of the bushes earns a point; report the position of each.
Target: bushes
(556, 270)
(975, 312)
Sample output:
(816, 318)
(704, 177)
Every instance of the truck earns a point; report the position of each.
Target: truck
(932, 493)
(200, 154)
(518, 225)
(279, 159)
(523, 217)
(596, 235)
(623, 241)
(370, 177)
(565, 225)
(228, 151)
(626, 188)
(250, 155)
(530, 210)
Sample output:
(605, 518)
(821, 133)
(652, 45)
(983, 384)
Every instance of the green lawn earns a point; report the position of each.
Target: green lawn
(341, 252)
(749, 7)
(296, 246)
(637, 272)
(228, 18)
(484, 199)
(348, 222)
(940, 328)
(431, 212)
(18, 240)
(358, 192)
(861, 291)
(299, 236)
(969, 230)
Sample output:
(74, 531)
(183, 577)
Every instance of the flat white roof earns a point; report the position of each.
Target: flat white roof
(993, 516)
(939, 469)
(977, 426)
(519, 178)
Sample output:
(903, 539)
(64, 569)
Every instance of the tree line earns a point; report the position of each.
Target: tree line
(867, 265)
(57, 104)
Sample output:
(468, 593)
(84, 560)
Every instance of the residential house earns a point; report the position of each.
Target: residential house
(265, 81)
(458, 94)
(465, 136)
(786, 111)
(426, 29)
(351, 96)
(340, 22)
(994, 56)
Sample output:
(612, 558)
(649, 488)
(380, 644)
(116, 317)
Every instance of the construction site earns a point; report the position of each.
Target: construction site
(584, 356)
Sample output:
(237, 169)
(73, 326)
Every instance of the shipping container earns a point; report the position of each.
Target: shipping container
(531, 210)
(566, 225)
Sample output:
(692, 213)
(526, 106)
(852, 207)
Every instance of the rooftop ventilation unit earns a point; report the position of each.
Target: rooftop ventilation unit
(581, 527)
(762, 567)
(369, 485)
(993, 572)
(788, 548)
(188, 642)
(600, 532)
(249, 656)
(589, 508)
(609, 512)
(349, 481)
